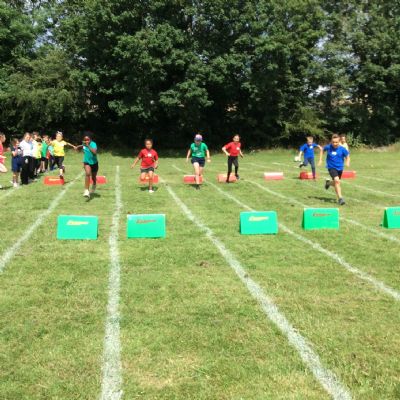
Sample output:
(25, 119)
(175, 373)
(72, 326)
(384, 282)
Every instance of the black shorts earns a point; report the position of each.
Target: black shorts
(146, 170)
(44, 159)
(201, 161)
(93, 167)
(335, 173)
(59, 161)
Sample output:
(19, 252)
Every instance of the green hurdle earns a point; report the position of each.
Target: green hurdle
(258, 223)
(391, 218)
(320, 218)
(77, 227)
(145, 226)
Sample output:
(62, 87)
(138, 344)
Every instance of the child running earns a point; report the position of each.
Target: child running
(44, 162)
(198, 150)
(308, 150)
(149, 162)
(343, 141)
(3, 168)
(59, 152)
(233, 151)
(16, 162)
(335, 158)
(90, 163)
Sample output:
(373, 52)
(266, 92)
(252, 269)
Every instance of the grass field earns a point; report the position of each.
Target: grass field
(205, 313)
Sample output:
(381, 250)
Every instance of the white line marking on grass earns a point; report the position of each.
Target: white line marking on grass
(379, 192)
(325, 377)
(111, 387)
(9, 254)
(316, 246)
(377, 206)
(349, 220)
(367, 189)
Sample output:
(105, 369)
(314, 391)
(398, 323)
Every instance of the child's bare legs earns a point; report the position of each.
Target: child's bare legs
(197, 172)
(94, 178)
(88, 175)
(151, 174)
(336, 185)
(201, 169)
(15, 178)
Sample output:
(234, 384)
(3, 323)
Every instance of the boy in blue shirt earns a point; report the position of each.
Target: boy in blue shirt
(308, 150)
(336, 155)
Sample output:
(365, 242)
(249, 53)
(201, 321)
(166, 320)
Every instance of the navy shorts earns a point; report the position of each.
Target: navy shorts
(200, 160)
(16, 164)
(146, 170)
(335, 172)
(93, 167)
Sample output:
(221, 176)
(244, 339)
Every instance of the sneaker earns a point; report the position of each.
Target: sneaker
(62, 177)
(327, 184)
(15, 184)
(93, 189)
(86, 193)
(151, 191)
(301, 165)
(237, 177)
(341, 202)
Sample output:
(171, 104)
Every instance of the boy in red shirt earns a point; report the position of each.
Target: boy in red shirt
(233, 150)
(149, 163)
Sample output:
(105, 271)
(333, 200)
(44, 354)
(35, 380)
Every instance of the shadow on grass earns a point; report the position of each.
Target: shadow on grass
(146, 188)
(92, 197)
(324, 199)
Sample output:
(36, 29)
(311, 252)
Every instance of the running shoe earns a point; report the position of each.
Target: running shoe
(327, 184)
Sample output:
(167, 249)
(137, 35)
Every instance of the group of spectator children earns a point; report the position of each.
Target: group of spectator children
(33, 155)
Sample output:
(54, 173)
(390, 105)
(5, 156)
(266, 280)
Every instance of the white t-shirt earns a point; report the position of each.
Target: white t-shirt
(27, 148)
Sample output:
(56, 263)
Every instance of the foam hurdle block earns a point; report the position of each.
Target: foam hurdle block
(258, 223)
(100, 180)
(307, 175)
(145, 226)
(191, 179)
(145, 181)
(273, 176)
(77, 227)
(391, 218)
(320, 218)
(53, 181)
(348, 174)
(221, 178)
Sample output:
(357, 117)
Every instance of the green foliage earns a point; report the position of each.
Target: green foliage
(41, 94)
(268, 70)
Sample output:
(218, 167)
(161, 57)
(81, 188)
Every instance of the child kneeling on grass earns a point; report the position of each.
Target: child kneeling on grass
(336, 155)
(149, 158)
